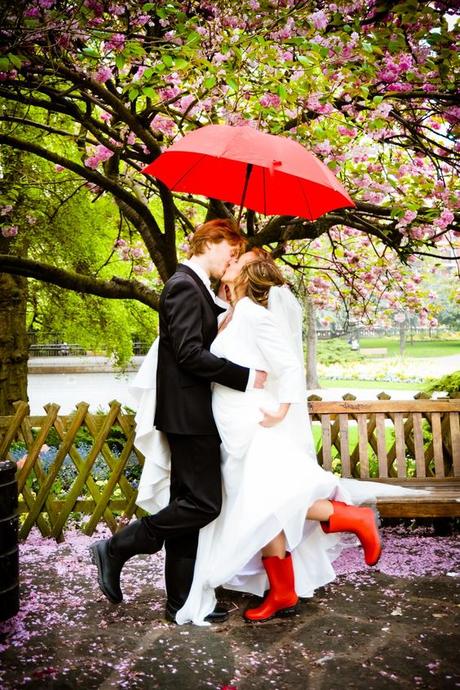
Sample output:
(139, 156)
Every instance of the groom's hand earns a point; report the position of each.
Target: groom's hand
(261, 377)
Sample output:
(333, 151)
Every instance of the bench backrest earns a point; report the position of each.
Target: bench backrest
(389, 438)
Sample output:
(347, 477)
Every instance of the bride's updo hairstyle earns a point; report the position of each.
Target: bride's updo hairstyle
(257, 277)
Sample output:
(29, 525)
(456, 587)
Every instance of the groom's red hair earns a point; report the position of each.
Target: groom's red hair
(215, 231)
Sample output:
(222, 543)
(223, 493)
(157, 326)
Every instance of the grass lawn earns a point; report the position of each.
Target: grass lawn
(381, 385)
(353, 442)
(420, 348)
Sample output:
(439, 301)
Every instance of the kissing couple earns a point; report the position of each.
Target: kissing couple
(231, 479)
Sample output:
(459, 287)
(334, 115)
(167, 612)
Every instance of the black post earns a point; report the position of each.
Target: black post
(9, 554)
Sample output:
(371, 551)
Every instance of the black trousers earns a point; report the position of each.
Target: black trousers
(195, 501)
(195, 493)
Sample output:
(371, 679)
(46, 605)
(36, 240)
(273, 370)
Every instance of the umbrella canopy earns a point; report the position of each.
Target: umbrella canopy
(266, 173)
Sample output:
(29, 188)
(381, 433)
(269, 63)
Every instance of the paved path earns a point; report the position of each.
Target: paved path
(366, 631)
(69, 380)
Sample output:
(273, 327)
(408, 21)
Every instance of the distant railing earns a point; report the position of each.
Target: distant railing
(56, 350)
(86, 466)
(74, 350)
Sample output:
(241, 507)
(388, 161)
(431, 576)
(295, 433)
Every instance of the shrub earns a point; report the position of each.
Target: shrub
(449, 383)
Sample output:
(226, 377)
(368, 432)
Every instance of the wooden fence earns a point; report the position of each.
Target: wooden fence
(87, 464)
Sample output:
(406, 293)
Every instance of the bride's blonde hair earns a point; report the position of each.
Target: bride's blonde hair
(257, 277)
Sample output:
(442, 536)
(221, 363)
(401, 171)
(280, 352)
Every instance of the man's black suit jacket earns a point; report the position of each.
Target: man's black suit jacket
(186, 368)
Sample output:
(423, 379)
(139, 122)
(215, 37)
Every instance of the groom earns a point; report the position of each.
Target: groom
(188, 325)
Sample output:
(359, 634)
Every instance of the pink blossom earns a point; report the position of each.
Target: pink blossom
(400, 87)
(270, 100)
(140, 72)
(32, 12)
(94, 5)
(12, 74)
(10, 231)
(103, 74)
(163, 124)
(5, 210)
(115, 43)
(101, 153)
(169, 92)
(445, 218)
(141, 20)
(137, 252)
(59, 168)
(219, 58)
(452, 114)
(319, 19)
(106, 117)
(324, 148)
(185, 103)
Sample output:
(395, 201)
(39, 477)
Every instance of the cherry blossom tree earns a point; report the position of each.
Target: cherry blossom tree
(99, 88)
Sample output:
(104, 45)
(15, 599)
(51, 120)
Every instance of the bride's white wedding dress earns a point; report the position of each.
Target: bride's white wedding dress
(270, 475)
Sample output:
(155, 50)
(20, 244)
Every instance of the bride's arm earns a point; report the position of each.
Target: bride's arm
(283, 363)
(273, 418)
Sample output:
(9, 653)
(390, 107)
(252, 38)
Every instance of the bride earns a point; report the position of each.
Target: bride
(283, 517)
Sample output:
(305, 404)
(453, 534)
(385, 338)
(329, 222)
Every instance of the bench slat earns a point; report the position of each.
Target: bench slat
(455, 439)
(381, 444)
(327, 446)
(362, 443)
(437, 444)
(418, 444)
(400, 444)
(344, 446)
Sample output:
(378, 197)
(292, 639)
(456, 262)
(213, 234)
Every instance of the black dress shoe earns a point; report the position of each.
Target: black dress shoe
(110, 555)
(220, 614)
(108, 570)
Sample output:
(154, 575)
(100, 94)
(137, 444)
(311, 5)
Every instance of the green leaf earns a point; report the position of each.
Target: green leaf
(133, 93)
(377, 100)
(180, 63)
(306, 61)
(167, 60)
(148, 6)
(120, 61)
(209, 82)
(282, 93)
(149, 92)
(193, 38)
(15, 60)
(233, 84)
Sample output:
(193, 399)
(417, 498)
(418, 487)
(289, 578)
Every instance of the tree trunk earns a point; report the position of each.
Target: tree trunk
(402, 337)
(13, 342)
(312, 374)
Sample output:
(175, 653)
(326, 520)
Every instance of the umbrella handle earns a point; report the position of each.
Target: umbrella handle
(249, 168)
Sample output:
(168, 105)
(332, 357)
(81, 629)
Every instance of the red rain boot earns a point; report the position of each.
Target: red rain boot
(360, 521)
(281, 599)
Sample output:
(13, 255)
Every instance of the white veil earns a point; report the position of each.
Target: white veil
(288, 314)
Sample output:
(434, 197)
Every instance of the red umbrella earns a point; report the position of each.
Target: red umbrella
(266, 173)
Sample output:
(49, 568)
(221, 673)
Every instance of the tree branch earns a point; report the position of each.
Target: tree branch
(116, 288)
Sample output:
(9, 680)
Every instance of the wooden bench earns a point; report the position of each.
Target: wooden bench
(413, 443)
(410, 442)
(374, 351)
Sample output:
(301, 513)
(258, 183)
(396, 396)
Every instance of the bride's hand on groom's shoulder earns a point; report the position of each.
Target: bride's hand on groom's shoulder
(272, 418)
